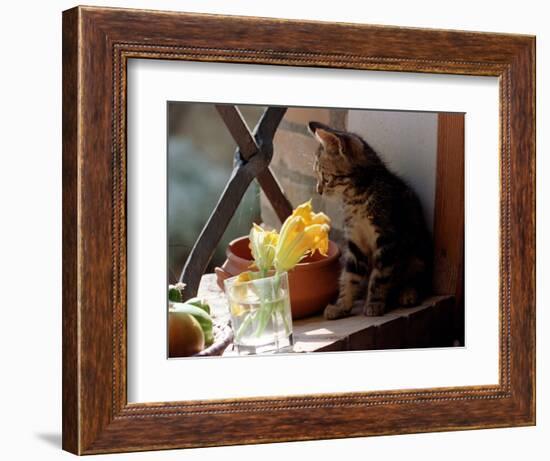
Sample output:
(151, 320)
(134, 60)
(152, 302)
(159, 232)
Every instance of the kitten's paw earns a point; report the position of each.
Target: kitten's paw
(374, 309)
(408, 297)
(335, 311)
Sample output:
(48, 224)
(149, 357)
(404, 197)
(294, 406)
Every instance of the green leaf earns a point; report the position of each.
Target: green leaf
(174, 294)
(246, 323)
(264, 314)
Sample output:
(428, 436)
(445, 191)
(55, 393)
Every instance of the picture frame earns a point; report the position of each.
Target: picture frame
(97, 44)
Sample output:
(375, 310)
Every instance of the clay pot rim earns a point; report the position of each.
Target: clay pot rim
(332, 248)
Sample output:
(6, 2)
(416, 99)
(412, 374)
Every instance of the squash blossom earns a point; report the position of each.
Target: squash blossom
(303, 233)
(244, 277)
(262, 245)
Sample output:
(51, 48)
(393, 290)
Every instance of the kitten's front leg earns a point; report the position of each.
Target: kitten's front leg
(380, 282)
(355, 271)
(350, 283)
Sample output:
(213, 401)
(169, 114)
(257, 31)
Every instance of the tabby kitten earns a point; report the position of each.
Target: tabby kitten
(388, 252)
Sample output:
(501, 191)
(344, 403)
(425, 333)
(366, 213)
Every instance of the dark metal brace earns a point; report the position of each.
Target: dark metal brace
(249, 144)
(252, 158)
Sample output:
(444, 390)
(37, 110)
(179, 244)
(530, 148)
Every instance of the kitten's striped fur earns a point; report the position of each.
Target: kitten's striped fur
(387, 258)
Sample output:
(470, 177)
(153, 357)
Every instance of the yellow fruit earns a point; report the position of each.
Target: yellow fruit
(185, 335)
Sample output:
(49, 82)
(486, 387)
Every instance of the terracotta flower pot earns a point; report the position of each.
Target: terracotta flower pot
(313, 282)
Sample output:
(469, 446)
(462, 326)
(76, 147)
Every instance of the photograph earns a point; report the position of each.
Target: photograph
(306, 229)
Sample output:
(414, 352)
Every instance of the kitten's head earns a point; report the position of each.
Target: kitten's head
(340, 155)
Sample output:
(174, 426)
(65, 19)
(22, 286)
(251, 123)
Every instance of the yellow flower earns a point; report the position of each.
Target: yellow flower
(303, 232)
(237, 309)
(244, 277)
(238, 289)
(262, 245)
(305, 211)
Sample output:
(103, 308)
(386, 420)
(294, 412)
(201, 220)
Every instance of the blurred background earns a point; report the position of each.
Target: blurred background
(200, 159)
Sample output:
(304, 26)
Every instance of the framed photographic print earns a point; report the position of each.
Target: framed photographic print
(281, 230)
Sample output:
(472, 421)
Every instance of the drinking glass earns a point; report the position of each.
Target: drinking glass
(260, 313)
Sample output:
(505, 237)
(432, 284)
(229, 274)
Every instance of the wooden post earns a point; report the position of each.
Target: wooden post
(449, 214)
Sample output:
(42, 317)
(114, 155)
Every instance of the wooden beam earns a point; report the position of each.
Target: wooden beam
(449, 214)
(449, 206)
(250, 144)
(275, 194)
(236, 125)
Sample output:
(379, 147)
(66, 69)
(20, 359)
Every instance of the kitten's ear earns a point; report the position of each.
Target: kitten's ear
(314, 126)
(348, 145)
(324, 135)
(328, 139)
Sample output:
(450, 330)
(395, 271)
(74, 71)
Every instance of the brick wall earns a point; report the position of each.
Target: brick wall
(294, 152)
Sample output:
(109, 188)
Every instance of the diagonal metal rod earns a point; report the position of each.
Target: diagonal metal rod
(250, 163)
(250, 144)
(238, 128)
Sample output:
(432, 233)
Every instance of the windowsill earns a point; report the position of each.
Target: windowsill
(426, 325)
